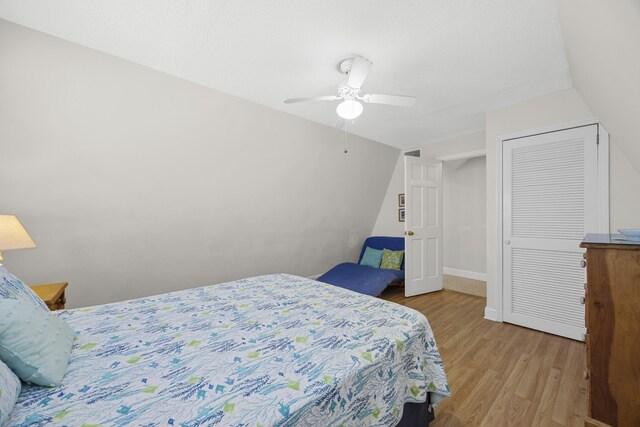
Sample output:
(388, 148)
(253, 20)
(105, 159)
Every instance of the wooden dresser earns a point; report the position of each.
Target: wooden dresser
(612, 311)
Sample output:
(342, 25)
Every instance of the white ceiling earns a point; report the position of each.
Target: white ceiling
(460, 58)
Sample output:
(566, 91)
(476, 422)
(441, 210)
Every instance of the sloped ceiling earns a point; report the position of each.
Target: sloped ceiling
(460, 58)
(603, 46)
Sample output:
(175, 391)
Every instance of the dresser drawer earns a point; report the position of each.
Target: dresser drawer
(587, 372)
(585, 301)
(587, 304)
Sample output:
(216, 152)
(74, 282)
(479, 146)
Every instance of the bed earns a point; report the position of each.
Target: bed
(364, 279)
(271, 350)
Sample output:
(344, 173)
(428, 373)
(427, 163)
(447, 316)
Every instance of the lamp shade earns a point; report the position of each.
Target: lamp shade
(349, 109)
(13, 235)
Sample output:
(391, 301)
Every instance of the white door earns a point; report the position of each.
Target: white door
(423, 226)
(550, 201)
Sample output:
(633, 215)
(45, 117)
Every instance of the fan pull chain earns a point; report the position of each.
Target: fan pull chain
(345, 137)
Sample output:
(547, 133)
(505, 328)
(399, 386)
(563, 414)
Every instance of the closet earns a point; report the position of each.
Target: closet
(551, 197)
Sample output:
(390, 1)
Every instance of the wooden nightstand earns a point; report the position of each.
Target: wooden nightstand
(52, 294)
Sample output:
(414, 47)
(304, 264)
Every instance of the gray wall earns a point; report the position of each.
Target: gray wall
(133, 182)
(464, 217)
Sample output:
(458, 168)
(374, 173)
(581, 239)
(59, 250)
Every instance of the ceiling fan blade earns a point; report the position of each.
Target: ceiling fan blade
(397, 100)
(312, 98)
(359, 70)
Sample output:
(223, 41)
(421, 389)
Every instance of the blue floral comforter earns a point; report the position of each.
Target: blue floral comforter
(272, 350)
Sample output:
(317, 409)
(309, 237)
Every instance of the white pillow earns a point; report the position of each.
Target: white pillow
(10, 387)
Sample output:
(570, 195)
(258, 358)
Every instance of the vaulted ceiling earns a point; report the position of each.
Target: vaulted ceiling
(605, 64)
(459, 58)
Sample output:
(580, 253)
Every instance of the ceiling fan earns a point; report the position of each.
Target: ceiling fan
(356, 68)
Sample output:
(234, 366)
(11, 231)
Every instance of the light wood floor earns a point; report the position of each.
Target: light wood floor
(500, 374)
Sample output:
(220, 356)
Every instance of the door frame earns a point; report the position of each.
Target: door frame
(603, 191)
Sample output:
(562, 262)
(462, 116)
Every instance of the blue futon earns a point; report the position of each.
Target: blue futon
(364, 279)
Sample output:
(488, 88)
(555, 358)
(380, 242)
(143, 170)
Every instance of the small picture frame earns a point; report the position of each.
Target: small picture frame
(401, 214)
(401, 200)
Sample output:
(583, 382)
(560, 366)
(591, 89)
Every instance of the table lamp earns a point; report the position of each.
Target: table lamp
(13, 235)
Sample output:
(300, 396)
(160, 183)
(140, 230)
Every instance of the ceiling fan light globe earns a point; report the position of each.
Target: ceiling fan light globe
(349, 109)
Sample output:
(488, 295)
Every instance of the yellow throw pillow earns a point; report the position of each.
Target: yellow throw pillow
(392, 260)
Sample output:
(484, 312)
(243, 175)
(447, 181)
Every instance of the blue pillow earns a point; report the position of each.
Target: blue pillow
(34, 343)
(372, 257)
(12, 288)
(10, 387)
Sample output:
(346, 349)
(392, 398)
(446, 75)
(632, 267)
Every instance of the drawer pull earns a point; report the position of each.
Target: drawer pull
(583, 263)
(585, 375)
(582, 300)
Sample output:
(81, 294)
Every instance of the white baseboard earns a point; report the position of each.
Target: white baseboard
(314, 277)
(490, 314)
(464, 273)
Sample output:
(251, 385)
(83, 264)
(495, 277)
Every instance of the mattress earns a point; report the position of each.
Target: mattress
(272, 350)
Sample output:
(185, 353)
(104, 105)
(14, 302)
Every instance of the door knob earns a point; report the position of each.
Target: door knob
(507, 242)
(409, 233)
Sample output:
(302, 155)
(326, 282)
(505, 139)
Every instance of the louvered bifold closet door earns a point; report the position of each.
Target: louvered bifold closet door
(549, 186)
